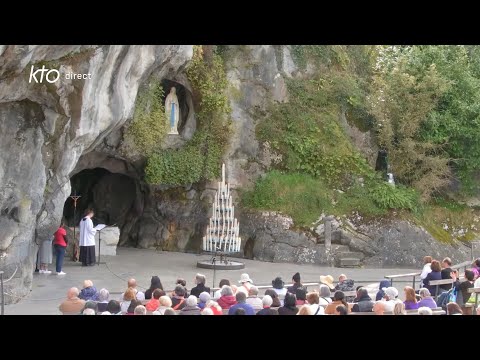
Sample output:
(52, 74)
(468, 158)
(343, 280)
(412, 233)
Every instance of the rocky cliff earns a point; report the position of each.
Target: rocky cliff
(46, 127)
(71, 132)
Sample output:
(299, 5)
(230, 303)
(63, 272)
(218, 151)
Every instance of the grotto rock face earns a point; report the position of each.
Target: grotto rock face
(256, 74)
(46, 127)
(270, 236)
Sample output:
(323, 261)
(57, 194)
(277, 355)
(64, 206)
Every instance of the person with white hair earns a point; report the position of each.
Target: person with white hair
(103, 299)
(213, 305)
(169, 311)
(427, 299)
(425, 311)
(191, 307)
(324, 295)
(200, 286)
(227, 299)
(207, 311)
(391, 298)
(218, 294)
(140, 310)
(203, 298)
(267, 302)
(253, 298)
(165, 303)
(73, 304)
(88, 312)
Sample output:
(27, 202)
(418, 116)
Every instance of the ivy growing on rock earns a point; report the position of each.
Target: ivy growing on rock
(149, 123)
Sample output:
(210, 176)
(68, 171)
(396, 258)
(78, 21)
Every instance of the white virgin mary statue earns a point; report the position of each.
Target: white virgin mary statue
(172, 110)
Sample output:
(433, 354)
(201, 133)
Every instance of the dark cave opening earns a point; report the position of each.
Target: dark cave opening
(111, 195)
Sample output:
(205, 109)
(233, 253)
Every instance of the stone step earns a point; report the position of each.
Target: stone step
(351, 254)
(349, 259)
(338, 249)
(349, 262)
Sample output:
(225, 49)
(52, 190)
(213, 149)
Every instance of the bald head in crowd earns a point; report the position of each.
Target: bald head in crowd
(379, 307)
(132, 283)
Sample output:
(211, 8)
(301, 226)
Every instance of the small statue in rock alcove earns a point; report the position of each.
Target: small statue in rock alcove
(172, 110)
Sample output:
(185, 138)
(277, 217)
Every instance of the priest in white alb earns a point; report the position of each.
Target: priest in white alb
(87, 239)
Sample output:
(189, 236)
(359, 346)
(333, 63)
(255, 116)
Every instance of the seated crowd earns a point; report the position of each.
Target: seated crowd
(244, 299)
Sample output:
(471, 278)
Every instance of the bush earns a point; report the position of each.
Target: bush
(387, 196)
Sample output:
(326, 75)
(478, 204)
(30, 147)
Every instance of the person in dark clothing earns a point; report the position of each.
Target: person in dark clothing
(182, 282)
(276, 300)
(463, 287)
(113, 307)
(345, 285)
(155, 283)
(364, 303)
(288, 307)
(239, 311)
(301, 296)
(296, 284)
(381, 293)
(435, 274)
(197, 290)
(133, 304)
(446, 271)
(267, 303)
(178, 299)
(341, 310)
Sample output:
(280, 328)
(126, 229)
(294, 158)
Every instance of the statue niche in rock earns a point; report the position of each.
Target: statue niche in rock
(172, 110)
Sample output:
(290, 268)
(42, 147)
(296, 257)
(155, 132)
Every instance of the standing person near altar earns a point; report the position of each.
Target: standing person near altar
(87, 239)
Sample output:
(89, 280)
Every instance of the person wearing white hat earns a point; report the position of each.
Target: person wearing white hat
(245, 284)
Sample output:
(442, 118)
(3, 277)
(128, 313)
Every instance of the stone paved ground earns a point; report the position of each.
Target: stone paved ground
(49, 290)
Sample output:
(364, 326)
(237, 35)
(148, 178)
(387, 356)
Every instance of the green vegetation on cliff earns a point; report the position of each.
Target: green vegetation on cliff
(421, 104)
(149, 123)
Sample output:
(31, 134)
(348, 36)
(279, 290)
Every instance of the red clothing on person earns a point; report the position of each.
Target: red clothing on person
(59, 234)
(216, 311)
(227, 301)
(152, 305)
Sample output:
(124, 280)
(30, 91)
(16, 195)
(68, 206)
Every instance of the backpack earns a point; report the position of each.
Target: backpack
(444, 298)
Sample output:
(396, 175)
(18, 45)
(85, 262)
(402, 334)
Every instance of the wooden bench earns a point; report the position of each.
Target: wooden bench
(437, 283)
